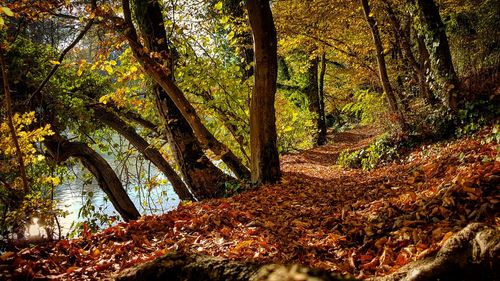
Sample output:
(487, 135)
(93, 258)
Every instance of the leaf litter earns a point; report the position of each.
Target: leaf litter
(363, 223)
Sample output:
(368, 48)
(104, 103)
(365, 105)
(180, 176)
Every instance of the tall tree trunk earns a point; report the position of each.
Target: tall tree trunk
(425, 63)
(264, 152)
(405, 43)
(439, 49)
(234, 8)
(110, 119)
(322, 116)
(313, 96)
(161, 76)
(382, 68)
(61, 149)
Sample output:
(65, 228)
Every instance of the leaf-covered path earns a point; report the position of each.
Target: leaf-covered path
(364, 223)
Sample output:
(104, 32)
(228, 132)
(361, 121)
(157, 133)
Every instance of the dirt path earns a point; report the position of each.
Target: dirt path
(352, 221)
(319, 161)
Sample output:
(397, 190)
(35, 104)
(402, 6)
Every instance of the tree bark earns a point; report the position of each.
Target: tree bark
(436, 42)
(382, 67)
(405, 43)
(322, 115)
(161, 76)
(111, 120)
(264, 152)
(313, 93)
(183, 267)
(200, 174)
(469, 255)
(61, 149)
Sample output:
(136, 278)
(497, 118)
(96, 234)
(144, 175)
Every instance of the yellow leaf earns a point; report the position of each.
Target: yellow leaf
(7, 11)
(112, 62)
(103, 99)
(108, 69)
(218, 6)
(55, 62)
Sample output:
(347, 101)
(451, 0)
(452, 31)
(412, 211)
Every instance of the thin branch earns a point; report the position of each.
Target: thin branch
(64, 52)
(8, 107)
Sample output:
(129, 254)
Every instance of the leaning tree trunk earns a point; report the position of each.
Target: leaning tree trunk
(382, 67)
(61, 149)
(264, 153)
(437, 44)
(116, 123)
(151, 13)
(200, 174)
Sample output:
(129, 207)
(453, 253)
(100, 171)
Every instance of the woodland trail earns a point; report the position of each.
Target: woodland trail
(351, 221)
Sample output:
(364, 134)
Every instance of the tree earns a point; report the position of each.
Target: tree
(161, 76)
(61, 149)
(116, 123)
(382, 68)
(436, 42)
(316, 100)
(201, 175)
(264, 153)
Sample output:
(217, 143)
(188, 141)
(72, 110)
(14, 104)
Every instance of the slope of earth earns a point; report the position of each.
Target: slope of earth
(364, 223)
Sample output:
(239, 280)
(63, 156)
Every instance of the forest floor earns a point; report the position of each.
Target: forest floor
(363, 223)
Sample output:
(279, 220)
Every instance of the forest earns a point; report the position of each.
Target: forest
(250, 140)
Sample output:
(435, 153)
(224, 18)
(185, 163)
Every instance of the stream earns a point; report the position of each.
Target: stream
(71, 197)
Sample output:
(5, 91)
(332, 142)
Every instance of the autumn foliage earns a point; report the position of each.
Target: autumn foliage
(363, 223)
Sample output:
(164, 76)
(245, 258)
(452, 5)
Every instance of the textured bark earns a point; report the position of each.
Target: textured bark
(110, 119)
(405, 43)
(203, 178)
(382, 67)
(200, 174)
(424, 60)
(439, 50)
(61, 149)
(264, 152)
(313, 94)
(235, 9)
(471, 254)
(180, 267)
(150, 20)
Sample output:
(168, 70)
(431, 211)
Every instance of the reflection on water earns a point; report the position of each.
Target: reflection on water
(159, 199)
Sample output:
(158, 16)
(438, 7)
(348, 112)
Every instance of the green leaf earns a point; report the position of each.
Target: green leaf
(7, 11)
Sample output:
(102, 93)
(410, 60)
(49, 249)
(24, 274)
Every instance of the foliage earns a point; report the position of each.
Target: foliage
(294, 125)
(363, 223)
(383, 149)
(18, 206)
(368, 107)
